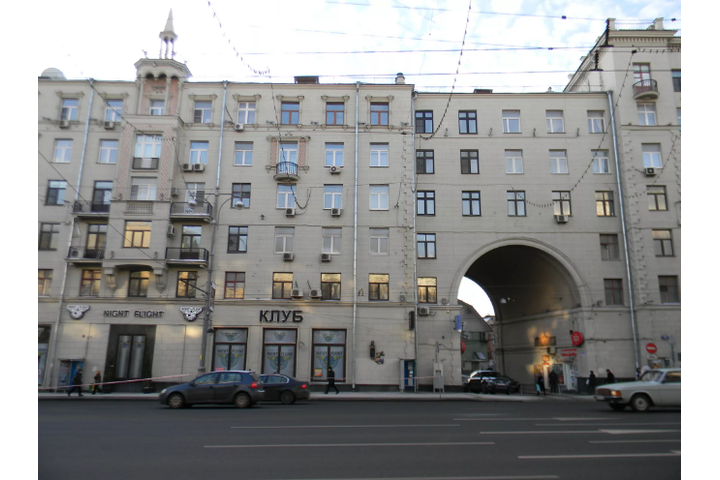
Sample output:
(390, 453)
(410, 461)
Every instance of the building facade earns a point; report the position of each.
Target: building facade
(189, 226)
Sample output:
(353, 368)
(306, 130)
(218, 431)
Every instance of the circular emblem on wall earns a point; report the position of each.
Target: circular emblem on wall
(191, 313)
(577, 339)
(77, 311)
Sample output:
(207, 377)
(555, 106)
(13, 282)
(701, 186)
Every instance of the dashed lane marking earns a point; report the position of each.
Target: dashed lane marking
(610, 455)
(285, 427)
(324, 445)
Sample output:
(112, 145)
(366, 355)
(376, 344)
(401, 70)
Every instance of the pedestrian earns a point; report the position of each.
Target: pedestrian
(540, 385)
(553, 382)
(591, 382)
(97, 387)
(637, 374)
(76, 381)
(610, 376)
(331, 381)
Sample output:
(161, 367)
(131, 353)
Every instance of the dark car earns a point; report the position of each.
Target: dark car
(236, 387)
(473, 375)
(284, 388)
(492, 382)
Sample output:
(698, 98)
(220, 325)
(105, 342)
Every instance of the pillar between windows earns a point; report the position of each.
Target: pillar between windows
(110, 278)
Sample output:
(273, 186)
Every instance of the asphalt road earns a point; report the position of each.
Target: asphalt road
(353, 440)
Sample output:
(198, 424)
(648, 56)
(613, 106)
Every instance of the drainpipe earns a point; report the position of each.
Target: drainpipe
(633, 320)
(412, 240)
(355, 235)
(222, 130)
(54, 331)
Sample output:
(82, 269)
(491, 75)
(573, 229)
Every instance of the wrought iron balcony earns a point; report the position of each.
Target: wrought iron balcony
(85, 208)
(645, 90)
(140, 163)
(185, 256)
(285, 171)
(85, 255)
(197, 210)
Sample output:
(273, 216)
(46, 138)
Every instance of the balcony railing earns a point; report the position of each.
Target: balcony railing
(135, 207)
(85, 207)
(287, 171)
(140, 163)
(647, 89)
(197, 209)
(87, 254)
(187, 255)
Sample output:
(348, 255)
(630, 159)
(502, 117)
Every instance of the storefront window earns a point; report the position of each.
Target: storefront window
(279, 351)
(328, 349)
(43, 341)
(230, 348)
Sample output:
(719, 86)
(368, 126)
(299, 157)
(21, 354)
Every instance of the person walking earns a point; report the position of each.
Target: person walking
(76, 381)
(610, 376)
(331, 381)
(540, 385)
(97, 387)
(591, 383)
(553, 382)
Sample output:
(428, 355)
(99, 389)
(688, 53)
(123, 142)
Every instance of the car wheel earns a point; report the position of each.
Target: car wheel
(617, 407)
(640, 403)
(242, 400)
(176, 401)
(287, 397)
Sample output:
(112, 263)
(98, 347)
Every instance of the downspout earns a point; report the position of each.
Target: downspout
(633, 320)
(355, 235)
(54, 332)
(412, 240)
(222, 130)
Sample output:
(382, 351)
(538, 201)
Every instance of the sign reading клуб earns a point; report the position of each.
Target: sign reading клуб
(137, 313)
(280, 316)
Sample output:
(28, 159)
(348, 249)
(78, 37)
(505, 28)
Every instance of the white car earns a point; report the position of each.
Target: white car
(655, 388)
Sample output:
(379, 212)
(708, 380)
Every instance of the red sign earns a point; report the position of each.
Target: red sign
(651, 348)
(462, 347)
(577, 339)
(568, 352)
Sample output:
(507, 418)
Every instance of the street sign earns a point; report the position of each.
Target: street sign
(651, 348)
(568, 352)
(577, 339)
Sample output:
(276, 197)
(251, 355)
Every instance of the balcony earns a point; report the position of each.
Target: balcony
(191, 210)
(645, 90)
(85, 255)
(85, 208)
(187, 256)
(287, 171)
(140, 163)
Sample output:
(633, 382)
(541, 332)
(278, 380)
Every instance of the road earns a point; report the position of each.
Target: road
(353, 440)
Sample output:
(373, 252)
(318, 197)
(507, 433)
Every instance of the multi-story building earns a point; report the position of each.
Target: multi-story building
(188, 226)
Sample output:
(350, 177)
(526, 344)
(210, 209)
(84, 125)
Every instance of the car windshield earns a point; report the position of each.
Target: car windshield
(651, 376)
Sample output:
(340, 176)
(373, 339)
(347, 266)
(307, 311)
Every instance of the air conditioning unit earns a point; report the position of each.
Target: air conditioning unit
(187, 167)
(288, 257)
(64, 123)
(199, 167)
(424, 311)
(296, 293)
(237, 203)
(174, 191)
(562, 218)
(171, 230)
(109, 124)
(239, 127)
(75, 253)
(335, 170)
(402, 298)
(336, 212)
(290, 212)
(650, 172)
(325, 257)
(315, 293)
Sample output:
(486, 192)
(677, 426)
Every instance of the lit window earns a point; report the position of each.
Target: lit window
(90, 283)
(63, 151)
(187, 284)
(234, 284)
(330, 286)
(604, 204)
(657, 198)
(138, 285)
(427, 290)
(378, 287)
(561, 203)
(44, 281)
(137, 234)
(282, 285)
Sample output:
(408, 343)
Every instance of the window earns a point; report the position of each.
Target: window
(379, 113)
(332, 197)
(108, 151)
(469, 162)
(203, 112)
(198, 152)
(641, 73)
(63, 151)
(613, 291)
(604, 204)
(379, 197)
(426, 202)
(157, 107)
(662, 239)
(285, 196)
(186, 285)
(288, 152)
(234, 284)
(427, 290)
(332, 239)
(90, 283)
(113, 112)
(468, 121)
(138, 285)
(284, 237)
(96, 240)
(195, 193)
(333, 154)
(69, 109)
(56, 192)
(148, 146)
(379, 154)
(330, 286)
(246, 112)
(558, 161)
(516, 203)
(425, 161)
(49, 236)
(379, 238)
(426, 245)
(657, 198)
(513, 161)
(237, 239)
(241, 193)
(143, 188)
(229, 351)
(669, 291)
(424, 121)
(600, 161)
(511, 121)
(282, 285)
(137, 234)
(335, 114)
(596, 121)
(190, 241)
(290, 114)
(609, 247)
(279, 347)
(328, 350)
(651, 155)
(679, 116)
(646, 114)
(554, 121)
(379, 287)
(102, 196)
(243, 153)
(561, 203)
(471, 204)
(676, 80)
(44, 282)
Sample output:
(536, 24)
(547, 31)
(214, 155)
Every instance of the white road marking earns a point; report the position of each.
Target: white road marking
(572, 419)
(560, 419)
(633, 441)
(632, 432)
(352, 445)
(616, 455)
(349, 426)
(605, 424)
(535, 432)
(501, 477)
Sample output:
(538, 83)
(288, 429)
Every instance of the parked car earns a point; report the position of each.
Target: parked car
(477, 373)
(284, 388)
(492, 382)
(655, 388)
(237, 387)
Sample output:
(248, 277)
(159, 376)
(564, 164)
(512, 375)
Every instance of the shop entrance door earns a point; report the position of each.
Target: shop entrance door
(68, 368)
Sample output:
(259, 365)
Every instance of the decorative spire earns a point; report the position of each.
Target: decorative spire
(168, 37)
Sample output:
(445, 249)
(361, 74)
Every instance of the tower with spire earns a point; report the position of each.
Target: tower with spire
(168, 37)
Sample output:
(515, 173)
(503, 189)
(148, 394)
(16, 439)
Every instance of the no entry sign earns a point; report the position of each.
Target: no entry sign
(651, 348)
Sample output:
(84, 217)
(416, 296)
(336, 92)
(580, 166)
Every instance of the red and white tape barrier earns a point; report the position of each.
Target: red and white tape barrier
(60, 387)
